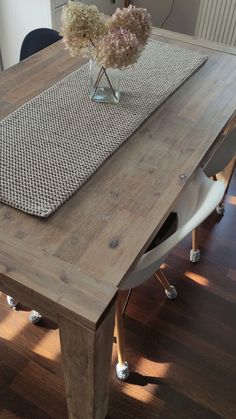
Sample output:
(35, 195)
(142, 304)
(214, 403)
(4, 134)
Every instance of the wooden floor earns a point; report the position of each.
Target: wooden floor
(182, 354)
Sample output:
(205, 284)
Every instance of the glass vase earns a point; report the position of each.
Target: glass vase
(104, 83)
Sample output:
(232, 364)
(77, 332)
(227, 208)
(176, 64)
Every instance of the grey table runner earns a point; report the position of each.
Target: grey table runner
(51, 145)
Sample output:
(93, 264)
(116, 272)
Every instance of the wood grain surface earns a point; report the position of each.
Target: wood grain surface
(70, 265)
(181, 353)
(130, 197)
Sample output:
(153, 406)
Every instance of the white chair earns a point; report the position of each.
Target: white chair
(197, 201)
(220, 159)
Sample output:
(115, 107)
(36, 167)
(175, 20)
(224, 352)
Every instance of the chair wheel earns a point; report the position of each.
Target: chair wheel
(35, 317)
(220, 209)
(122, 371)
(194, 256)
(171, 294)
(11, 302)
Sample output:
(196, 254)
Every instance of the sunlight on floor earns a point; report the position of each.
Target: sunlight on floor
(10, 327)
(158, 369)
(142, 395)
(201, 280)
(47, 342)
(154, 372)
(231, 199)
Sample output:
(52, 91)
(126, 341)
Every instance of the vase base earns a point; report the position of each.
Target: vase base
(105, 95)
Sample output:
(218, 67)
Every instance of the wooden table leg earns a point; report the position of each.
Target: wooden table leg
(86, 356)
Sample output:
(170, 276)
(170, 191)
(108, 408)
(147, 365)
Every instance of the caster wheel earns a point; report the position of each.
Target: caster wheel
(194, 255)
(171, 294)
(11, 302)
(122, 371)
(35, 317)
(220, 209)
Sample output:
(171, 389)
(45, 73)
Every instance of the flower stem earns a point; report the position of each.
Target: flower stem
(93, 44)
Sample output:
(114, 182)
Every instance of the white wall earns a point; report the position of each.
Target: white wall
(183, 18)
(17, 18)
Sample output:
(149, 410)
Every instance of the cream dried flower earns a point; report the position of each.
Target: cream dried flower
(119, 48)
(81, 24)
(136, 20)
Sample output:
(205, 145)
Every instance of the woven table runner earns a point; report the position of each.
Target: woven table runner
(50, 146)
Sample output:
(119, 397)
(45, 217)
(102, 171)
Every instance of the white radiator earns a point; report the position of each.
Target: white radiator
(217, 21)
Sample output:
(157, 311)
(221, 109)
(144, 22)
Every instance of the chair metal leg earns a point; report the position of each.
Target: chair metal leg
(170, 290)
(12, 302)
(220, 209)
(194, 252)
(34, 316)
(122, 368)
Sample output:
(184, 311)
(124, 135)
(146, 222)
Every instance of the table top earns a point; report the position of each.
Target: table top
(76, 258)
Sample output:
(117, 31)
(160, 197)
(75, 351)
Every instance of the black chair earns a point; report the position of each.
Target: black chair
(36, 40)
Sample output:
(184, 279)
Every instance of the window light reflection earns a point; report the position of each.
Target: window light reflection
(231, 199)
(199, 279)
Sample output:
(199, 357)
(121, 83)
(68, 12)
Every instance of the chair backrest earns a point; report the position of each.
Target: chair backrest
(197, 201)
(199, 198)
(223, 154)
(37, 40)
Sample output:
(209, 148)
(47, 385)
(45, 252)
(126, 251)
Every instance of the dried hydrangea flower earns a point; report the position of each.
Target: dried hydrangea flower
(119, 48)
(136, 20)
(80, 25)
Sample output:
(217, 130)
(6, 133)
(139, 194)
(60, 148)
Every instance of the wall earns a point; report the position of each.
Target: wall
(17, 18)
(105, 6)
(1, 65)
(183, 18)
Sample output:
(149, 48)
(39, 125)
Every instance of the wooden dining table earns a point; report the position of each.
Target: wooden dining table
(70, 265)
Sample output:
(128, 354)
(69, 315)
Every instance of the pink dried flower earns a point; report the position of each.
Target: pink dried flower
(119, 48)
(80, 25)
(136, 20)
